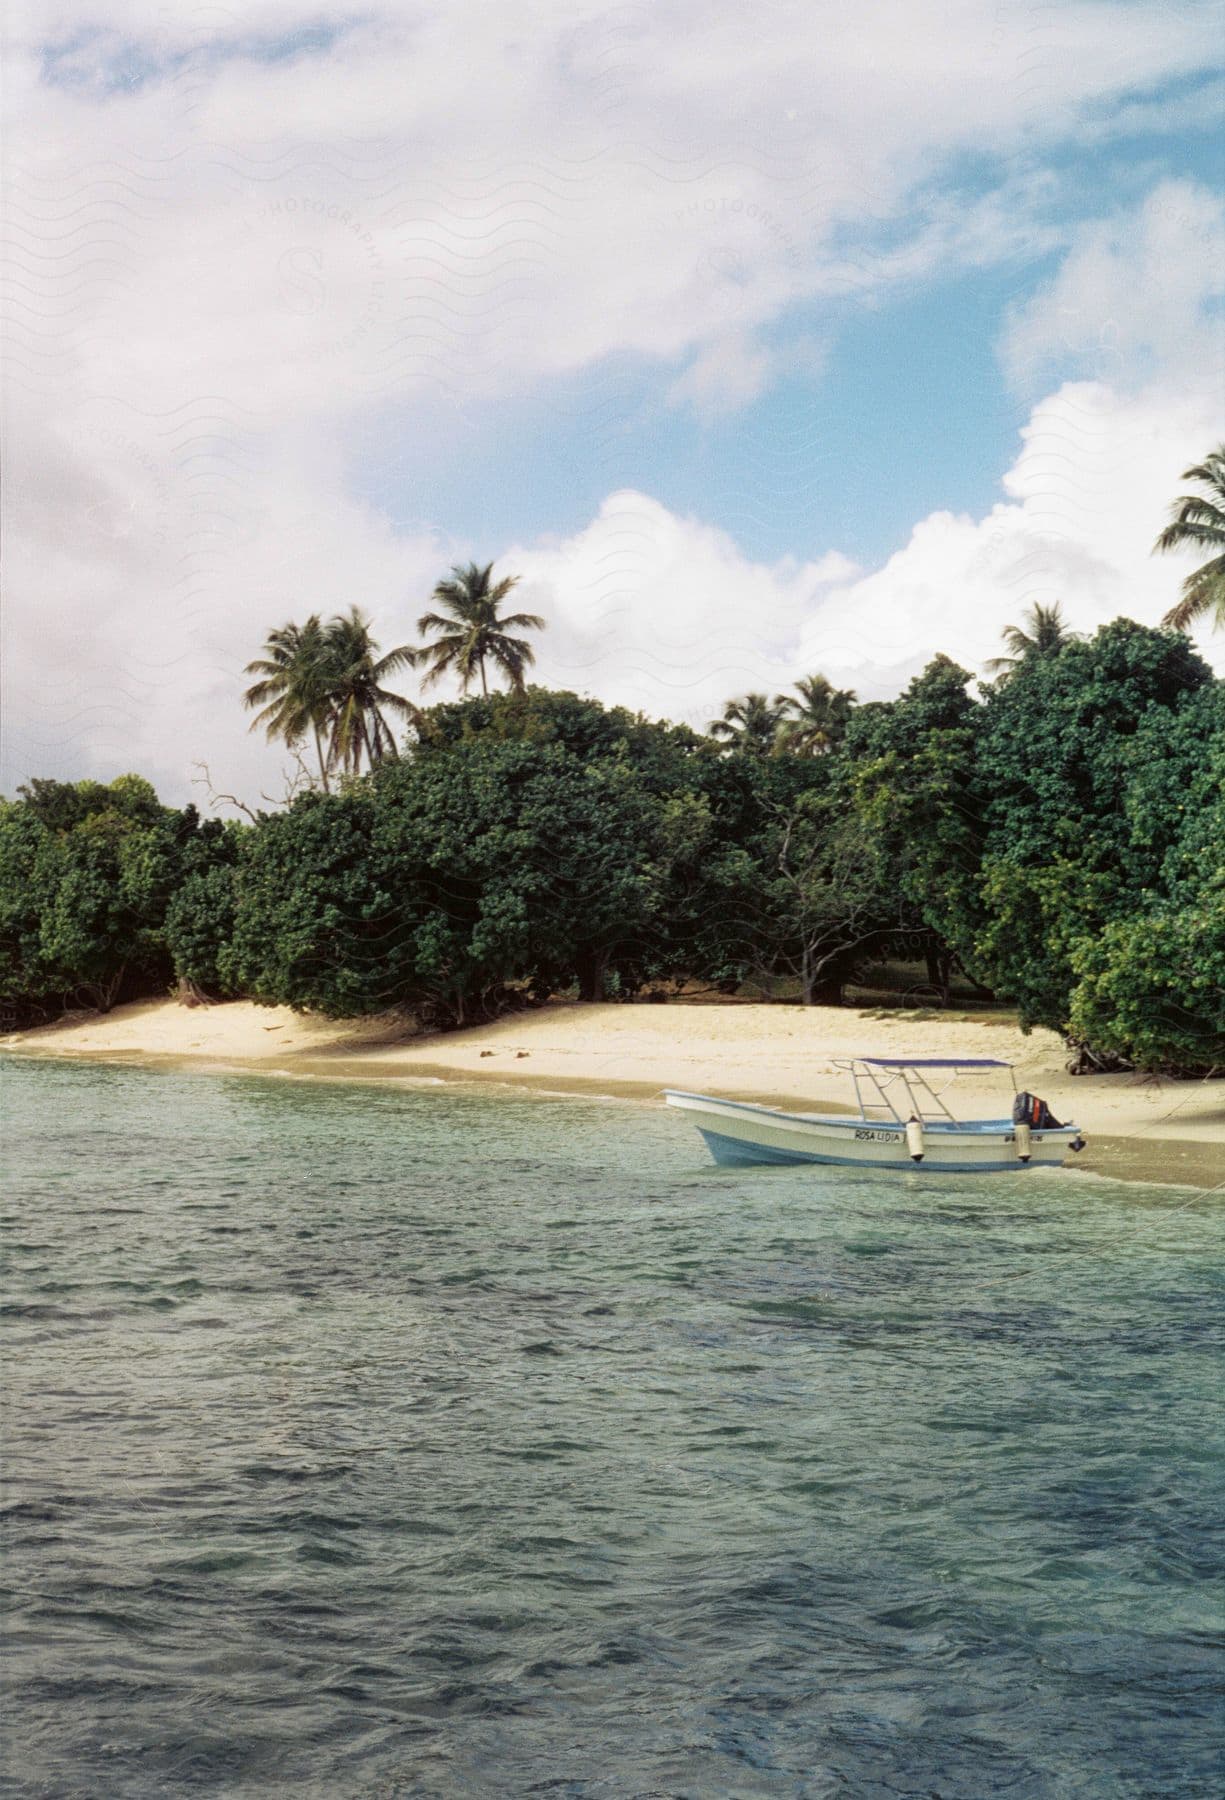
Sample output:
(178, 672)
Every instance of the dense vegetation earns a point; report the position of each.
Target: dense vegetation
(1060, 839)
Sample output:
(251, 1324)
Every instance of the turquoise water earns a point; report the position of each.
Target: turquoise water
(428, 1443)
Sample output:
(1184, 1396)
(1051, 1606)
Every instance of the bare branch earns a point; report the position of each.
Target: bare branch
(205, 780)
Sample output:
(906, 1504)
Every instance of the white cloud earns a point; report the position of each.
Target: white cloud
(218, 268)
(1137, 294)
(666, 614)
(655, 611)
(736, 369)
(669, 613)
(644, 607)
(1089, 493)
(725, 376)
(469, 202)
(153, 557)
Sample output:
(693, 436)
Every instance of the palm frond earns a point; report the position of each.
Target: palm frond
(1191, 531)
(1198, 521)
(1211, 471)
(1202, 592)
(404, 656)
(432, 621)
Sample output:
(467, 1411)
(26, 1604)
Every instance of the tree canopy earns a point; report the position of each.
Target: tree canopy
(1059, 838)
(87, 874)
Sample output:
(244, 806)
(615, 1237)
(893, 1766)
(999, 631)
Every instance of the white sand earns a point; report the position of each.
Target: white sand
(1144, 1126)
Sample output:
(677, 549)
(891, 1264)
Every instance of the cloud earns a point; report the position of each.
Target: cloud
(666, 613)
(656, 611)
(1088, 494)
(669, 613)
(133, 655)
(152, 559)
(1137, 295)
(239, 241)
(735, 370)
(390, 205)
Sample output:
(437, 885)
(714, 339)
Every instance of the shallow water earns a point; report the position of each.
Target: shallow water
(434, 1443)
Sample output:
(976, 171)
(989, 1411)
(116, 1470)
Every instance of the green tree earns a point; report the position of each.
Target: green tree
(1197, 522)
(553, 852)
(329, 681)
(448, 878)
(26, 846)
(913, 785)
(703, 862)
(1034, 918)
(1047, 634)
(1151, 985)
(708, 913)
(831, 899)
(357, 700)
(315, 922)
(662, 752)
(292, 690)
(200, 914)
(86, 872)
(470, 631)
(814, 717)
(1150, 989)
(1057, 758)
(751, 724)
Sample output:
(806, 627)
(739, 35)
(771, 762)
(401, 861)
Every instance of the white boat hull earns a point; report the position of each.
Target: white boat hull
(740, 1134)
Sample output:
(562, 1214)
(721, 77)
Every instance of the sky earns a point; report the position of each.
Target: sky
(755, 341)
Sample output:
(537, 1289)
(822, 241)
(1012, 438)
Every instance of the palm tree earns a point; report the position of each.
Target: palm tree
(816, 721)
(356, 697)
(1199, 520)
(292, 690)
(470, 631)
(751, 723)
(327, 680)
(1047, 635)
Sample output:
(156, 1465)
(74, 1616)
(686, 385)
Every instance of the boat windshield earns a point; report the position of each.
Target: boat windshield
(902, 1088)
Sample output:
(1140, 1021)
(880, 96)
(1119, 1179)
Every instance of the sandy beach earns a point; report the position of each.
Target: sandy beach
(1139, 1127)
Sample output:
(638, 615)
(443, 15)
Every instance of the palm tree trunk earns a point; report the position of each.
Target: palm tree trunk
(484, 683)
(323, 768)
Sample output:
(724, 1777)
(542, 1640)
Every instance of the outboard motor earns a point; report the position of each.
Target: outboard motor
(1030, 1113)
(1028, 1109)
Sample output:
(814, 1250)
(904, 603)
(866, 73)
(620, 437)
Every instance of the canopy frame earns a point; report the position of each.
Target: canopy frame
(898, 1088)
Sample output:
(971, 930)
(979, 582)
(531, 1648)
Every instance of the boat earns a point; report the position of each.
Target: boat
(903, 1119)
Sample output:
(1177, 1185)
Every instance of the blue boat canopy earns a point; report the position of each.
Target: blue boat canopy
(933, 1062)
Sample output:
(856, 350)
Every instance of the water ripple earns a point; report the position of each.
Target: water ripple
(423, 1444)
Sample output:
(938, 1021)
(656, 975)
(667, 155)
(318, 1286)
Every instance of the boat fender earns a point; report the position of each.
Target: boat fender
(914, 1140)
(1024, 1135)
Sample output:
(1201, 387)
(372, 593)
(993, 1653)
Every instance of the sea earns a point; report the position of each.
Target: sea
(434, 1441)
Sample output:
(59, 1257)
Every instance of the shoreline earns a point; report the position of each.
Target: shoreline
(1140, 1128)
